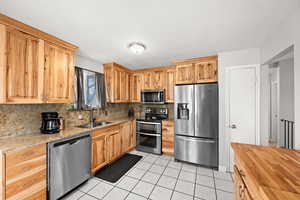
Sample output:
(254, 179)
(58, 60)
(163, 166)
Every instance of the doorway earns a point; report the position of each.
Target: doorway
(242, 106)
(278, 94)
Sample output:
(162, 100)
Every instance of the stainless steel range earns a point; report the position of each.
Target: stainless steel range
(149, 130)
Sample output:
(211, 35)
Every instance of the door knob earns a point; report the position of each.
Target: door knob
(233, 126)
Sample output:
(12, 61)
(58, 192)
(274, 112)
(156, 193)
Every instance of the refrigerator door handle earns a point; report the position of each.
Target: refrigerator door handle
(196, 139)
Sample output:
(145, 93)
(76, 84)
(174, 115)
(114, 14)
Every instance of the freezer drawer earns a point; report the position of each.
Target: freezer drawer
(195, 150)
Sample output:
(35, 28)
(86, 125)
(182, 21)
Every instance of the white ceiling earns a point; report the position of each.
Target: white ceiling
(171, 29)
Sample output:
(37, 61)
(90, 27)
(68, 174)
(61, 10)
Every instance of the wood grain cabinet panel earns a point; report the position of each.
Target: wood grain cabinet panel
(23, 68)
(185, 74)
(59, 74)
(206, 72)
(168, 137)
(99, 152)
(135, 87)
(117, 80)
(114, 148)
(126, 134)
(25, 173)
(158, 79)
(147, 76)
(170, 84)
(31, 69)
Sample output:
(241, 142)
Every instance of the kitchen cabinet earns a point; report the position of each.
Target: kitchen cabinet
(135, 87)
(185, 74)
(197, 70)
(240, 189)
(25, 173)
(206, 72)
(158, 79)
(126, 133)
(168, 137)
(170, 84)
(117, 80)
(24, 68)
(59, 74)
(114, 145)
(35, 67)
(147, 75)
(111, 142)
(99, 152)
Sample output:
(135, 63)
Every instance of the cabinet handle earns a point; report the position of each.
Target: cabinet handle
(242, 173)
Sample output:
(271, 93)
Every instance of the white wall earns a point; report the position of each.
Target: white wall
(88, 63)
(264, 105)
(228, 59)
(282, 37)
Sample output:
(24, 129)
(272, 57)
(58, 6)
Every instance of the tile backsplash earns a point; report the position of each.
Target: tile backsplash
(25, 119)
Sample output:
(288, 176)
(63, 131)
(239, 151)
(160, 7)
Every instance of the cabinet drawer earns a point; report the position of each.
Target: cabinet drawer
(25, 173)
(106, 130)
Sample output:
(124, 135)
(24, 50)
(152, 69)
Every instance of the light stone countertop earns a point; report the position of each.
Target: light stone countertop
(12, 143)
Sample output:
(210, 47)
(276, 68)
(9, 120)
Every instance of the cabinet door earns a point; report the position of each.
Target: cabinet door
(25, 173)
(147, 80)
(114, 147)
(168, 137)
(158, 79)
(59, 74)
(185, 74)
(109, 82)
(117, 85)
(99, 152)
(170, 83)
(135, 85)
(24, 68)
(126, 136)
(206, 72)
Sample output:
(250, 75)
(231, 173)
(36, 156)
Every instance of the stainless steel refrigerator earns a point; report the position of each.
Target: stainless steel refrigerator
(196, 123)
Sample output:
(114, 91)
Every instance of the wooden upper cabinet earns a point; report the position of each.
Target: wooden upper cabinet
(185, 74)
(23, 68)
(35, 67)
(59, 74)
(197, 70)
(206, 72)
(136, 87)
(170, 84)
(147, 80)
(117, 80)
(158, 79)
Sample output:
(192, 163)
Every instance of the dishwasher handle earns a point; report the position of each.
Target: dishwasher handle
(70, 141)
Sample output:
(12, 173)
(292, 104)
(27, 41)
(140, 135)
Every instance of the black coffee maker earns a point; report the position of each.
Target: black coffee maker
(50, 122)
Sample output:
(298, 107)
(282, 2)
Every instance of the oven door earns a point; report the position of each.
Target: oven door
(153, 96)
(149, 142)
(148, 137)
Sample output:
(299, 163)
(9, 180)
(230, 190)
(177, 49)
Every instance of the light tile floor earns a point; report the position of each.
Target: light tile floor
(159, 178)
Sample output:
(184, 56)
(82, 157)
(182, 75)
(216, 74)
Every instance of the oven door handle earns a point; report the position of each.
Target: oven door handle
(141, 122)
(149, 134)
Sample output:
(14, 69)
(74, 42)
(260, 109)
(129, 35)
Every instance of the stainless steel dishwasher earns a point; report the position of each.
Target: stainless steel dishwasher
(69, 164)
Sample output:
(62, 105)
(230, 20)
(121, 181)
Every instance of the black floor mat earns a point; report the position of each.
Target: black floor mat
(118, 168)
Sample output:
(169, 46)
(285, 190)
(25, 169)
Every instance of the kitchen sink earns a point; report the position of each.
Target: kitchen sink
(95, 124)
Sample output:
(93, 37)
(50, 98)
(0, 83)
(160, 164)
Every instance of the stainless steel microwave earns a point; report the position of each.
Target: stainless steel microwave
(153, 96)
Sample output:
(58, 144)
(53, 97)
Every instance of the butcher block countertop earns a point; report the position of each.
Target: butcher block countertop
(270, 173)
(12, 143)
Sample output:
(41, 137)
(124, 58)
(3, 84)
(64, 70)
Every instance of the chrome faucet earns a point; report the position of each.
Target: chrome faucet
(91, 116)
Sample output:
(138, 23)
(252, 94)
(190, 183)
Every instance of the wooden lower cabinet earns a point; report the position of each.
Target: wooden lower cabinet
(99, 152)
(110, 143)
(240, 190)
(114, 149)
(168, 137)
(25, 174)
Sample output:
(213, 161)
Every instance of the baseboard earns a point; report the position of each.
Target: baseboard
(222, 168)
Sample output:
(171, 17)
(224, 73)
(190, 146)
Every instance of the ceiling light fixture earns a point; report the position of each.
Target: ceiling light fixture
(137, 48)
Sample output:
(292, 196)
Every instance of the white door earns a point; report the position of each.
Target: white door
(274, 113)
(242, 102)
